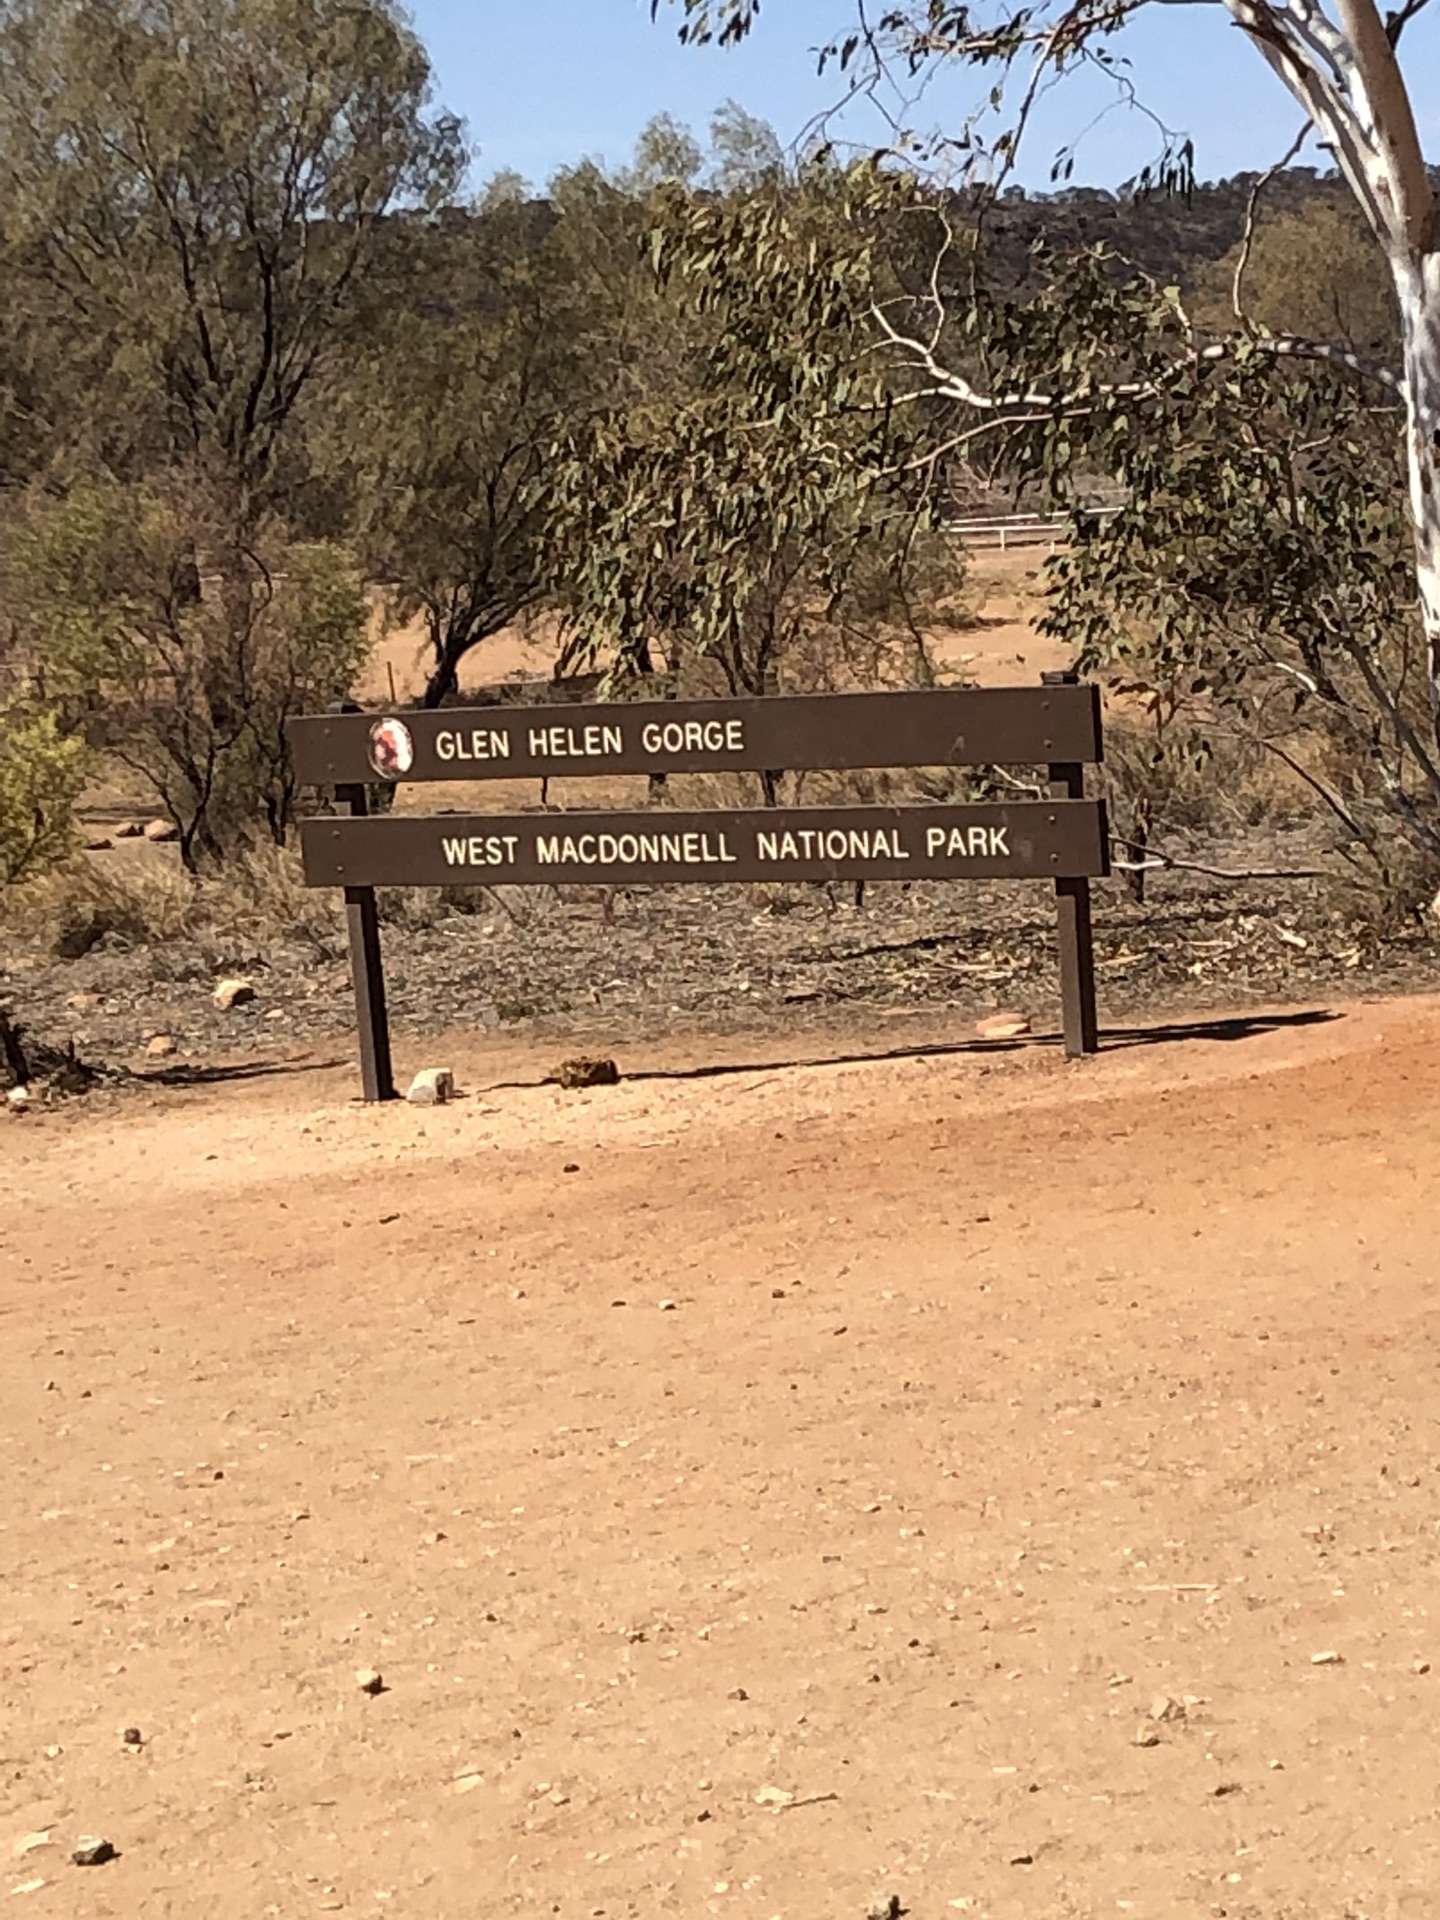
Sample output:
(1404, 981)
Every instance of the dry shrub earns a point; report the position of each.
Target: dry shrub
(154, 901)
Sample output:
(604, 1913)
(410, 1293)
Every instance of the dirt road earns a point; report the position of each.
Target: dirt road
(762, 1493)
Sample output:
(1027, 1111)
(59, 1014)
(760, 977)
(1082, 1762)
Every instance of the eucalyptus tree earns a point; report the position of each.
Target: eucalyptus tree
(1340, 62)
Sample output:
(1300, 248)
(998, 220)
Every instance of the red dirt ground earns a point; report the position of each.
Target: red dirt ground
(906, 1437)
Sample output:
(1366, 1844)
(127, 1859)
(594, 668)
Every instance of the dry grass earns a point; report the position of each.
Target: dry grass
(152, 901)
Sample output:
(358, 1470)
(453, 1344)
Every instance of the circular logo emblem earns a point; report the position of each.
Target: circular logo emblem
(392, 751)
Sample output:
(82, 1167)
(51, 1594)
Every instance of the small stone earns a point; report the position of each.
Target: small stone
(434, 1539)
(669, 1306)
(1022, 1859)
(83, 1002)
(160, 832)
(31, 1843)
(28, 1886)
(431, 1087)
(18, 1099)
(1327, 1659)
(1147, 1737)
(571, 1166)
(1164, 1706)
(232, 993)
(129, 830)
(887, 1909)
(1420, 1666)
(133, 1737)
(737, 1693)
(90, 1851)
(587, 1071)
(773, 1797)
(369, 1681)
(99, 845)
(158, 1046)
(1003, 1026)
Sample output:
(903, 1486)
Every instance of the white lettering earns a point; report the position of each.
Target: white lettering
(934, 840)
(650, 737)
(481, 850)
(488, 745)
(444, 746)
(735, 736)
(998, 843)
(692, 848)
(538, 748)
(767, 847)
(547, 846)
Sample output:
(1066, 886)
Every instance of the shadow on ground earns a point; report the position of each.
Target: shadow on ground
(1164, 1033)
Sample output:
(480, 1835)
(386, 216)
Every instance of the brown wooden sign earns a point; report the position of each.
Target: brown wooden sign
(944, 727)
(1063, 838)
(1027, 840)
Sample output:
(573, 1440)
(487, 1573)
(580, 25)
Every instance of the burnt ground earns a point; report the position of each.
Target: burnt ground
(639, 965)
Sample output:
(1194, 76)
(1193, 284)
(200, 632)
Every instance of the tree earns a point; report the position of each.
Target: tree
(154, 662)
(1343, 70)
(490, 337)
(751, 520)
(190, 192)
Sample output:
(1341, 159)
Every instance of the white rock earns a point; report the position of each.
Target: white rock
(31, 1843)
(161, 832)
(18, 1098)
(1003, 1026)
(1327, 1659)
(91, 1851)
(369, 1681)
(232, 993)
(431, 1087)
(160, 1045)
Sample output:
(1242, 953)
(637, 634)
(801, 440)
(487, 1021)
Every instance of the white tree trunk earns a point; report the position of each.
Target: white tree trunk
(1417, 285)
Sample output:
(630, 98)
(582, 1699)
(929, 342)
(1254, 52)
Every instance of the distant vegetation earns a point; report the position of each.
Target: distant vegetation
(261, 351)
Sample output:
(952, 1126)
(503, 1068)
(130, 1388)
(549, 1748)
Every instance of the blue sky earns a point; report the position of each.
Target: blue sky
(543, 83)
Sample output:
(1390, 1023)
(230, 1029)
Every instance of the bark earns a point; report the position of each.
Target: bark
(1417, 284)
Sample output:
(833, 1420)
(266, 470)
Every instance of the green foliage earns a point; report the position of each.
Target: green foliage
(754, 504)
(184, 671)
(487, 336)
(189, 196)
(1311, 273)
(42, 769)
(1257, 582)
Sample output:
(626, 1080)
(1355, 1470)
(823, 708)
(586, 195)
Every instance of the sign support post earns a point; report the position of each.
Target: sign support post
(1072, 896)
(367, 969)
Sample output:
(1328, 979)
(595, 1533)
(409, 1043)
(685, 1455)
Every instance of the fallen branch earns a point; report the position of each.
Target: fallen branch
(1168, 863)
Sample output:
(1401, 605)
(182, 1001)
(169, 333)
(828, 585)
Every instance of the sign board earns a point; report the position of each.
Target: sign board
(943, 727)
(1049, 839)
(1063, 838)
